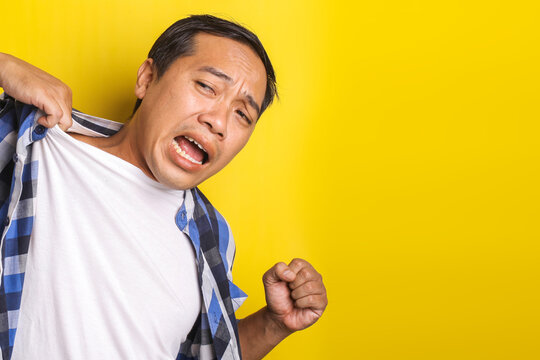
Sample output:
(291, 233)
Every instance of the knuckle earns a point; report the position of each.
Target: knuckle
(304, 273)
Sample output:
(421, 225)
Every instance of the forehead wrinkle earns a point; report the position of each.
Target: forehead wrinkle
(216, 72)
(242, 60)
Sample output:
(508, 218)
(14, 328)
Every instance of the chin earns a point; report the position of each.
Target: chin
(164, 170)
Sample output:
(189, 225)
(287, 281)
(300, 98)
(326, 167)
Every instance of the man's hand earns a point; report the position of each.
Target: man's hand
(31, 85)
(295, 295)
(295, 299)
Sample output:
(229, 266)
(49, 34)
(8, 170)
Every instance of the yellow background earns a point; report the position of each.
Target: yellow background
(402, 159)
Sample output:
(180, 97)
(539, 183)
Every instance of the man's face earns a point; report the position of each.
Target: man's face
(199, 114)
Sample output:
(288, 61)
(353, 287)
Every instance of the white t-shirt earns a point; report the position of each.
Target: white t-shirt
(109, 274)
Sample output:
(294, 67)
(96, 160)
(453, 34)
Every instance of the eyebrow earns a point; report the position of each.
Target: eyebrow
(228, 79)
(217, 73)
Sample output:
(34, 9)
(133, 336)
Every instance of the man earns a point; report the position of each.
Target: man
(93, 264)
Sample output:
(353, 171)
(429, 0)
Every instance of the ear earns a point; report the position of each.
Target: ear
(145, 75)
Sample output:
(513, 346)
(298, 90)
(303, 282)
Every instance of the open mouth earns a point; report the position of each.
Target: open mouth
(190, 149)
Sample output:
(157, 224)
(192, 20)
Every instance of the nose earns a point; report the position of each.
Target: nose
(216, 120)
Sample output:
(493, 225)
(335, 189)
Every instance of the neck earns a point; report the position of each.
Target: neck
(123, 144)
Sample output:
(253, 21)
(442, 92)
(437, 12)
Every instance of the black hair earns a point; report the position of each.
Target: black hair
(178, 40)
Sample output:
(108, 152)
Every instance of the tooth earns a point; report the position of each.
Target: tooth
(182, 153)
(195, 142)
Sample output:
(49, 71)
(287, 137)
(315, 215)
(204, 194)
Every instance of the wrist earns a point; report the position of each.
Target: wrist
(274, 327)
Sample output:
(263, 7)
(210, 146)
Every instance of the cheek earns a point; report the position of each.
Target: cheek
(236, 146)
(185, 101)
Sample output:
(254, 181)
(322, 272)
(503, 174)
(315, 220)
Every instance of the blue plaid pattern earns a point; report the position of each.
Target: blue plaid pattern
(214, 334)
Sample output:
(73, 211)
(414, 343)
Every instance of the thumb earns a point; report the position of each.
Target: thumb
(66, 119)
(278, 273)
(43, 121)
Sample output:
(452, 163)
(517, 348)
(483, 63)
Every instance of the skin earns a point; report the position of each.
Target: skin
(33, 86)
(295, 299)
(215, 110)
(189, 101)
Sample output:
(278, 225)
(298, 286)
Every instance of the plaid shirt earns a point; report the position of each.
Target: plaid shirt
(214, 334)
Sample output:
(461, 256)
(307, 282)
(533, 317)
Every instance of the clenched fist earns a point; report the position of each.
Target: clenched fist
(295, 294)
(30, 85)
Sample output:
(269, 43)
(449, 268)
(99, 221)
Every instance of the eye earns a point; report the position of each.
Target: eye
(244, 116)
(205, 87)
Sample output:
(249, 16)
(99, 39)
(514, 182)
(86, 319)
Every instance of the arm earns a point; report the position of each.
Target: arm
(33, 86)
(296, 299)
(259, 334)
